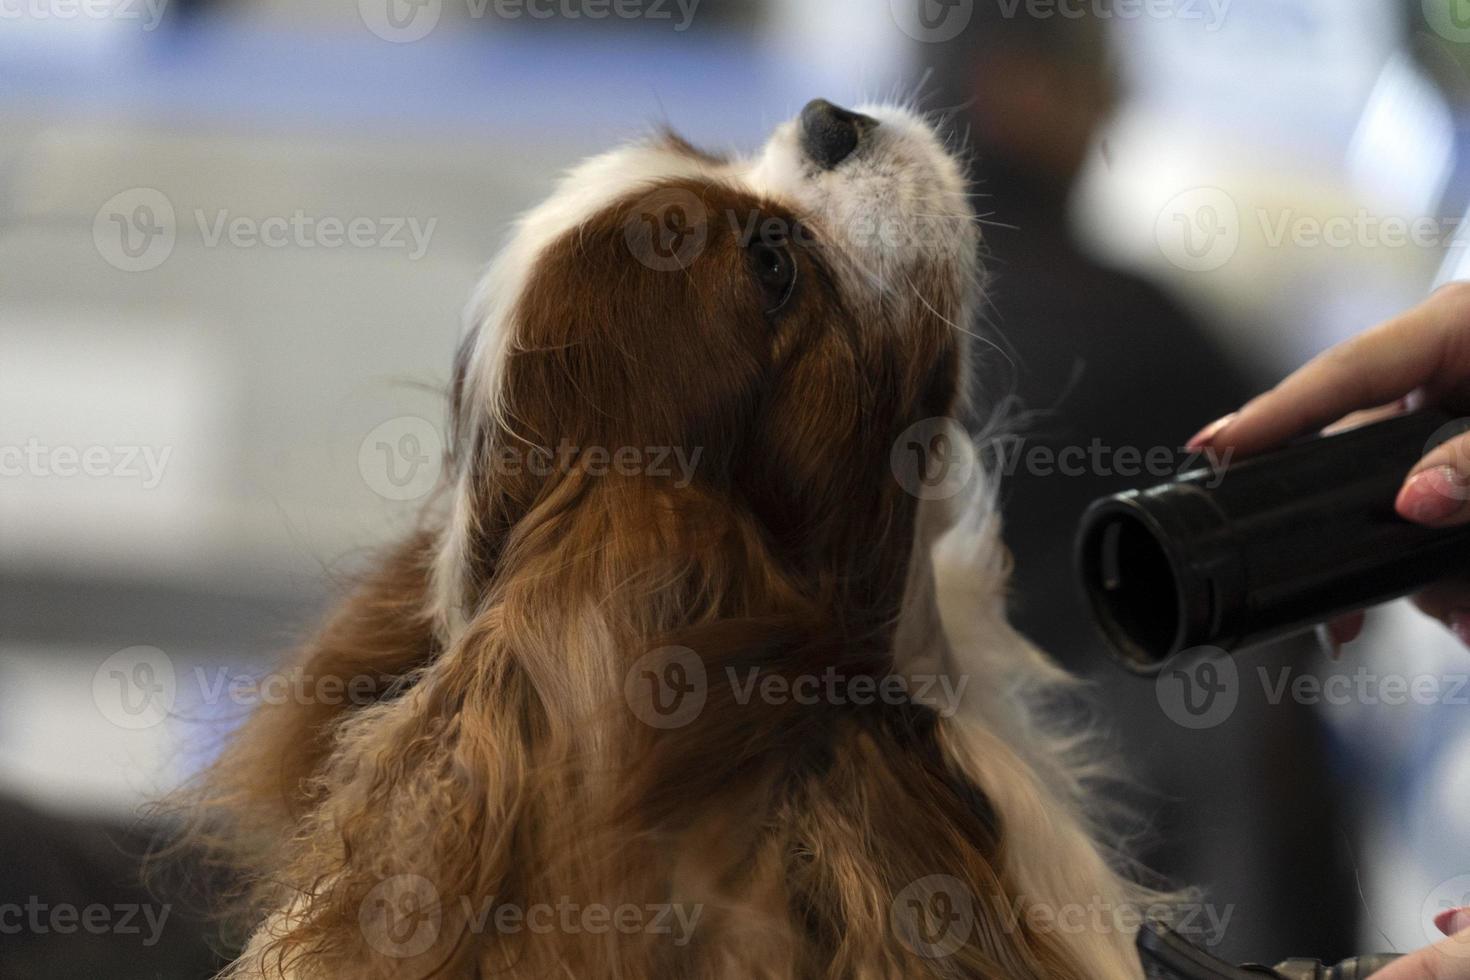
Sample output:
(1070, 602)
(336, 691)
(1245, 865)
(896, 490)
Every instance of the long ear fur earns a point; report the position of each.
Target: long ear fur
(805, 840)
(259, 789)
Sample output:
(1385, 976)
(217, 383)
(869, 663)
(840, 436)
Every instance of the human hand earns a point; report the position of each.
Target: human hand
(1448, 959)
(1421, 357)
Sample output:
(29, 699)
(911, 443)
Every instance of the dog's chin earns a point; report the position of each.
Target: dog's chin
(898, 209)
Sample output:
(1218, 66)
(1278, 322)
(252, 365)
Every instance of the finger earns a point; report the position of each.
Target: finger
(1334, 633)
(1448, 602)
(1449, 959)
(1367, 415)
(1346, 629)
(1437, 491)
(1382, 365)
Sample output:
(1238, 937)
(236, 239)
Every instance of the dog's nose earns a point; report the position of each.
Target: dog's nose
(830, 133)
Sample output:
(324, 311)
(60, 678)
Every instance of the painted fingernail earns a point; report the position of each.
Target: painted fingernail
(1206, 436)
(1342, 632)
(1460, 626)
(1452, 921)
(1433, 496)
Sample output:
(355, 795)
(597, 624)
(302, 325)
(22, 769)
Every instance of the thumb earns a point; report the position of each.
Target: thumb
(1437, 491)
(1449, 959)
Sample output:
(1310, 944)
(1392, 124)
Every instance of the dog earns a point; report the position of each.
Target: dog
(757, 715)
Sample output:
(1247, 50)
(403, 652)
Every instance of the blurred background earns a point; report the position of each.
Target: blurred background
(236, 237)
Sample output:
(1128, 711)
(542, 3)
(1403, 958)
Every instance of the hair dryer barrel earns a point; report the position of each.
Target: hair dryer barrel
(1267, 547)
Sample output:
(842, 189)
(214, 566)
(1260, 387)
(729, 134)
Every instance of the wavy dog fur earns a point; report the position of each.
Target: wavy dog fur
(513, 758)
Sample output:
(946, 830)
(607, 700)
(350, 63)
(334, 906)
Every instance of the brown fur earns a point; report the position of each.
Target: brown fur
(509, 766)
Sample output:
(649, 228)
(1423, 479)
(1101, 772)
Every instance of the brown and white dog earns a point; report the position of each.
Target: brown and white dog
(588, 753)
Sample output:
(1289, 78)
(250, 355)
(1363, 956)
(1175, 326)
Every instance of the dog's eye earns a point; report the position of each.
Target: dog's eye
(775, 269)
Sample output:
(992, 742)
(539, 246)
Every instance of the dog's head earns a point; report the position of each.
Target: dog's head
(757, 330)
(676, 415)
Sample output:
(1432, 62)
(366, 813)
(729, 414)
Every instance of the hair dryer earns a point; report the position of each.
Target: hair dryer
(1272, 545)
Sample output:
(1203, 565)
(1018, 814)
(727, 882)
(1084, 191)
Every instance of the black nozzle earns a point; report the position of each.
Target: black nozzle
(1265, 548)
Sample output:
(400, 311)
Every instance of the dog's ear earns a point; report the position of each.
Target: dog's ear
(362, 653)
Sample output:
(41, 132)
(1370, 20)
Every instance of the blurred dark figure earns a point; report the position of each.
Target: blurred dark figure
(74, 906)
(1099, 359)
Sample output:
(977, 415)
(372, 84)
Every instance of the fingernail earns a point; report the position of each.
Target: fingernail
(1328, 641)
(1432, 496)
(1204, 437)
(1460, 626)
(1452, 921)
(1341, 633)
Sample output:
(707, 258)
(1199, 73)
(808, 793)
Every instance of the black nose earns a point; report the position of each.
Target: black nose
(830, 133)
